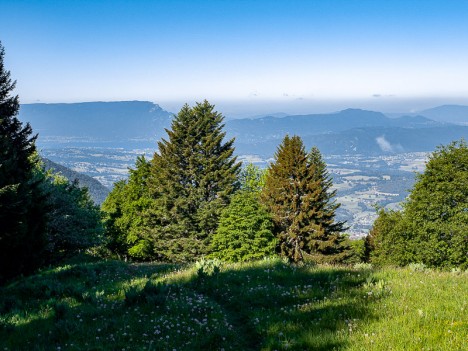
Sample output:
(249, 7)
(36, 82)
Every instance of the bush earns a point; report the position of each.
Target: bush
(432, 228)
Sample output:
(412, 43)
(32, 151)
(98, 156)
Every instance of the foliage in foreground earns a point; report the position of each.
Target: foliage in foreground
(124, 215)
(432, 228)
(263, 305)
(74, 221)
(43, 218)
(22, 201)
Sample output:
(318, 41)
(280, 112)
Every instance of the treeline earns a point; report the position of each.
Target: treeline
(192, 200)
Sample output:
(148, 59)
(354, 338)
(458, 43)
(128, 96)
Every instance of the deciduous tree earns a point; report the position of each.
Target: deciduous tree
(245, 230)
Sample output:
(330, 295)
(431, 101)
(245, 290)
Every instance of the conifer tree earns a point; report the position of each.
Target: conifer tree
(327, 243)
(192, 176)
(297, 193)
(22, 210)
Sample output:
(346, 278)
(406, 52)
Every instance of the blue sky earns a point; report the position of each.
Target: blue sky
(263, 55)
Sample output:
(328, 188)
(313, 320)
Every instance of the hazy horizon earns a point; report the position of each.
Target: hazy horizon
(247, 57)
(253, 108)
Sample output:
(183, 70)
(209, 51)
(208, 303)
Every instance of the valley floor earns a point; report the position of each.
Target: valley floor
(264, 305)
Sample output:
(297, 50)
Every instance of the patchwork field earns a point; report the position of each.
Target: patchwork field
(265, 305)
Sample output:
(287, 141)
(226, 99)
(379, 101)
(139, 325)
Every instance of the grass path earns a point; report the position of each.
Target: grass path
(265, 305)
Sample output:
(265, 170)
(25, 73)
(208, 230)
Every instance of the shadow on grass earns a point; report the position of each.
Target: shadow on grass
(43, 311)
(265, 305)
(277, 306)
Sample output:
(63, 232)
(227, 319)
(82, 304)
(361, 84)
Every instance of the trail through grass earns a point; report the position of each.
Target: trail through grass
(265, 305)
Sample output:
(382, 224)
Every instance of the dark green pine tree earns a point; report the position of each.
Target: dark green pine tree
(22, 209)
(327, 244)
(297, 193)
(193, 174)
(288, 193)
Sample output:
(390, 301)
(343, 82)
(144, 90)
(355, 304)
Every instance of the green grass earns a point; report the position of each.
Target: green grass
(265, 305)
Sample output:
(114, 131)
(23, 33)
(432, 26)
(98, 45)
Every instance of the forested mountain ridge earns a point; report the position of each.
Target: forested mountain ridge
(97, 191)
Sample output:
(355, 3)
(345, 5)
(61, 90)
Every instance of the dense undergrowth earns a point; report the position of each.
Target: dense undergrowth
(264, 305)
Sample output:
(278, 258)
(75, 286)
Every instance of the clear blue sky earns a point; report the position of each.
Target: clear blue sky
(301, 53)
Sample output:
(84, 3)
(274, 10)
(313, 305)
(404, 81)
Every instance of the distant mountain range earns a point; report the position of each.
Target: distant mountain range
(448, 113)
(135, 124)
(457, 114)
(97, 191)
(99, 121)
(251, 130)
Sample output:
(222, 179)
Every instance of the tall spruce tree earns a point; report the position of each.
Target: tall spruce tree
(327, 244)
(22, 209)
(297, 193)
(192, 176)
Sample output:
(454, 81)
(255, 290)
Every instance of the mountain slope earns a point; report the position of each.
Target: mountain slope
(366, 141)
(268, 128)
(448, 113)
(102, 121)
(97, 191)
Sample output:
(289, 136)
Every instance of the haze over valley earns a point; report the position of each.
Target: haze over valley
(371, 155)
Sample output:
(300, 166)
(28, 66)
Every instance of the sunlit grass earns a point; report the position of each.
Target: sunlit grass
(264, 305)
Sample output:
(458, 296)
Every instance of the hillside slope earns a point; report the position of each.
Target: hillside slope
(264, 305)
(97, 191)
(94, 121)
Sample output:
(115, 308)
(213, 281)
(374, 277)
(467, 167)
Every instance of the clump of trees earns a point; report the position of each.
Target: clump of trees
(42, 217)
(190, 201)
(432, 227)
(170, 207)
(74, 222)
(125, 216)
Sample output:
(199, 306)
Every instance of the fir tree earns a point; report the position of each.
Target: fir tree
(326, 243)
(245, 229)
(297, 193)
(192, 177)
(22, 209)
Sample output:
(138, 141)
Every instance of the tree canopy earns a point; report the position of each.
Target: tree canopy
(432, 228)
(245, 230)
(124, 214)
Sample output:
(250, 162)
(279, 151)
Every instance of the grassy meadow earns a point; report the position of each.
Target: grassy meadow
(264, 305)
